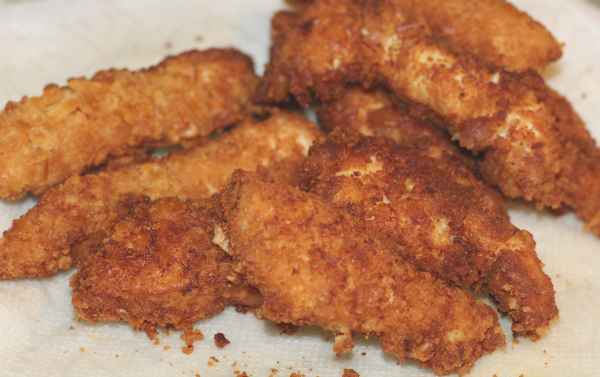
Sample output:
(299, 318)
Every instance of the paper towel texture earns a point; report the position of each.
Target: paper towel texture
(48, 41)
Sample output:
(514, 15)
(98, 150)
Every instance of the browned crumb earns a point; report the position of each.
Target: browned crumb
(187, 349)
(73, 319)
(71, 328)
(197, 375)
(364, 354)
(287, 328)
(243, 374)
(274, 371)
(210, 363)
(166, 348)
(170, 363)
(515, 341)
(350, 373)
(156, 341)
(234, 363)
(81, 349)
(220, 340)
(327, 339)
(214, 359)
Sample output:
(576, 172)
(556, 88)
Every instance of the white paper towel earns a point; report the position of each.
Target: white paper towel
(44, 41)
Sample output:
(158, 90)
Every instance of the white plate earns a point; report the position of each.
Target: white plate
(44, 41)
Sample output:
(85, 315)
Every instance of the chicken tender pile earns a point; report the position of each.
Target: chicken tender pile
(376, 225)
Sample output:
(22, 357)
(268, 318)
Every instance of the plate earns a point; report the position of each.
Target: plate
(48, 41)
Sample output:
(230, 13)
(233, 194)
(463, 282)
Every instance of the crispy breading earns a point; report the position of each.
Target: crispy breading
(69, 130)
(374, 113)
(159, 267)
(315, 264)
(337, 42)
(70, 220)
(441, 223)
(579, 177)
(494, 31)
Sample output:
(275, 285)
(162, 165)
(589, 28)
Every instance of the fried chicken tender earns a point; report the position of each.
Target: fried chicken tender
(337, 42)
(71, 220)
(70, 130)
(442, 224)
(374, 113)
(580, 175)
(494, 31)
(159, 267)
(315, 264)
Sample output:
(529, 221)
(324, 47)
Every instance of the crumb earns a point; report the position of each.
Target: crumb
(167, 332)
(220, 340)
(73, 319)
(243, 374)
(512, 348)
(287, 328)
(234, 363)
(166, 348)
(117, 355)
(168, 45)
(71, 328)
(327, 339)
(199, 38)
(214, 359)
(546, 364)
(557, 275)
(236, 372)
(197, 375)
(274, 371)
(170, 363)
(495, 375)
(363, 353)
(160, 359)
(189, 337)
(397, 363)
(210, 363)
(544, 351)
(515, 341)
(81, 349)
(157, 342)
(350, 373)
(584, 95)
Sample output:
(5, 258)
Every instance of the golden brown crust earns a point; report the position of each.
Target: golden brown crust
(494, 31)
(316, 265)
(374, 113)
(159, 267)
(69, 130)
(334, 43)
(71, 220)
(442, 224)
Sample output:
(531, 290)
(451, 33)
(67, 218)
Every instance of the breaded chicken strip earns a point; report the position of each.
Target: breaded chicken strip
(580, 175)
(315, 264)
(441, 223)
(69, 130)
(373, 113)
(337, 42)
(72, 219)
(494, 31)
(159, 267)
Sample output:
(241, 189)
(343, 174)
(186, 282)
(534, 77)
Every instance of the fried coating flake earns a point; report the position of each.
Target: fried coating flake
(72, 219)
(442, 224)
(491, 112)
(494, 31)
(159, 267)
(315, 264)
(374, 113)
(70, 130)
